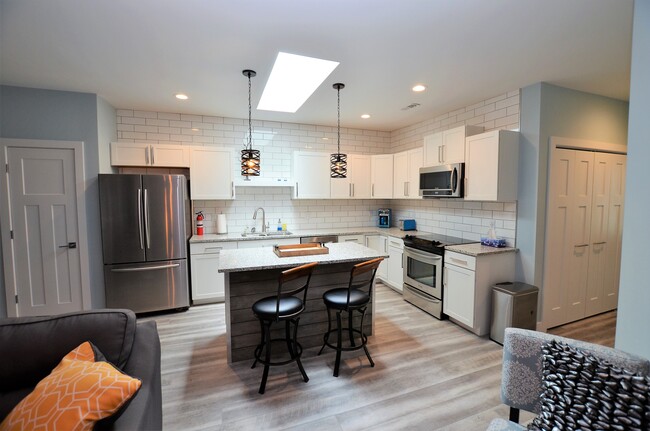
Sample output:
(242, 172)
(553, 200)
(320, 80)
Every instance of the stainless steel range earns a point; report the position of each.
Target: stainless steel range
(423, 263)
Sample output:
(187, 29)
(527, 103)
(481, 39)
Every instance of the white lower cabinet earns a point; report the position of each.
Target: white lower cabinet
(467, 289)
(359, 239)
(395, 267)
(207, 282)
(380, 244)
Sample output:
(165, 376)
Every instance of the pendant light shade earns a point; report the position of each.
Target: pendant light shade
(250, 158)
(338, 161)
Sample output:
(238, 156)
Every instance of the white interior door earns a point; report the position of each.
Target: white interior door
(43, 254)
(614, 230)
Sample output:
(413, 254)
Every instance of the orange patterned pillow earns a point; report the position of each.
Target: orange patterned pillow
(76, 394)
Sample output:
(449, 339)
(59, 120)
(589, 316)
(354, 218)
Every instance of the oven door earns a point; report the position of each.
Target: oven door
(423, 271)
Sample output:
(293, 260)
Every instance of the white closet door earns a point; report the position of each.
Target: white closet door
(614, 230)
(580, 213)
(558, 237)
(599, 244)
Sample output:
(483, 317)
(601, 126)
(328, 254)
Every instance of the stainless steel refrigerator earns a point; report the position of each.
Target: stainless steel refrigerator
(145, 227)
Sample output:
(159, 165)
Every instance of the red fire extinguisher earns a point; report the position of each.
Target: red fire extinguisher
(199, 222)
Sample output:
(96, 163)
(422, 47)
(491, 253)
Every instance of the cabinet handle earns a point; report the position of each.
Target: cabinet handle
(466, 192)
(352, 189)
(373, 191)
(146, 155)
(444, 276)
(153, 160)
(232, 189)
(601, 242)
(439, 158)
(581, 245)
(443, 154)
(405, 192)
(213, 248)
(296, 189)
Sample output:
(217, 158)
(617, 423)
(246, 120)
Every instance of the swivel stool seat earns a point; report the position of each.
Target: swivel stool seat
(285, 307)
(354, 298)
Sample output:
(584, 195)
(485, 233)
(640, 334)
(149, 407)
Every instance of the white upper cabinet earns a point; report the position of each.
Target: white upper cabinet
(381, 176)
(357, 183)
(311, 172)
(211, 173)
(139, 154)
(447, 147)
(406, 175)
(491, 166)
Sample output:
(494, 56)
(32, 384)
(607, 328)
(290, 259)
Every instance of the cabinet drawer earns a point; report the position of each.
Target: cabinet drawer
(211, 247)
(395, 242)
(461, 260)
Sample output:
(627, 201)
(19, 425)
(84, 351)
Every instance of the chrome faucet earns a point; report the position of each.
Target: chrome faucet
(263, 218)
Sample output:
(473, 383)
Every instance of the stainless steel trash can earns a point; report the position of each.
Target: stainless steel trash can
(514, 305)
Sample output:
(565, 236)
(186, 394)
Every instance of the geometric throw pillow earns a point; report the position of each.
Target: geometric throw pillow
(581, 392)
(81, 390)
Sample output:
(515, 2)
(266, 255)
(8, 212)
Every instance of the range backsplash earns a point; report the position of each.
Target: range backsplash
(454, 217)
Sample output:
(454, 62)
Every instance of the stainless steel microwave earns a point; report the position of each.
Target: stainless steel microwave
(444, 181)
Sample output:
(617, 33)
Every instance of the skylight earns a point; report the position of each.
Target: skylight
(293, 79)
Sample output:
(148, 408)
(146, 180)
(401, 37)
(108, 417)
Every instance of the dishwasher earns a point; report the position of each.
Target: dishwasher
(323, 239)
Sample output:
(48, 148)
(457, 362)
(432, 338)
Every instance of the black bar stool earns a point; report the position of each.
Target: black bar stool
(283, 307)
(350, 299)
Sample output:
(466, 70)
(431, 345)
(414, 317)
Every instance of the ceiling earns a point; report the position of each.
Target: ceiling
(138, 54)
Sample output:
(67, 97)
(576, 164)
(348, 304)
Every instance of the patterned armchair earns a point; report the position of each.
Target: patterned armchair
(521, 381)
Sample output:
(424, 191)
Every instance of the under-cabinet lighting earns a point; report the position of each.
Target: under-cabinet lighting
(293, 79)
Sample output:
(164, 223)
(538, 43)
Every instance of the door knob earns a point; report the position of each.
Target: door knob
(69, 245)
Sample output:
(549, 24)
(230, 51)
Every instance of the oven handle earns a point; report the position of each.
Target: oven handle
(421, 295)
(428, 257)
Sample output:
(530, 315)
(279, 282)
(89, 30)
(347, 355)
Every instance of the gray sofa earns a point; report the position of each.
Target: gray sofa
(521, 379)
(30, 348)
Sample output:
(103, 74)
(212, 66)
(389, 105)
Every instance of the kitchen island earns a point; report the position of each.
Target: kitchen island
(252, 274)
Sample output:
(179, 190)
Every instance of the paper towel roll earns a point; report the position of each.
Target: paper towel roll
(222, 227)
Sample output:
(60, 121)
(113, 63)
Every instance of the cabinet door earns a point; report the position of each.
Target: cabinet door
(381, 176)
(413, 175)
(170, 155)
(359, 174)
(341, 188)
(481, 167)
(453, 145)
(211, 173)
(311, 172)
(433, 150)
(395, 267)
(207, 282)
(400, 175)
(380, 244)
(130, 154)
(458, 294)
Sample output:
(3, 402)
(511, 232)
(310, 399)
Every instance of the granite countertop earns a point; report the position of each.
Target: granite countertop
(251, 259)
(237, 236)
(478, 249)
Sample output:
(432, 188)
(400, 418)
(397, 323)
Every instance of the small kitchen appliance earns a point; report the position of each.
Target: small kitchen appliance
(423, 263)
(407, 224)
(444, 181)
(383, 217)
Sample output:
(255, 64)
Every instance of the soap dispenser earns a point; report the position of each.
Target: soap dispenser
(279, 225)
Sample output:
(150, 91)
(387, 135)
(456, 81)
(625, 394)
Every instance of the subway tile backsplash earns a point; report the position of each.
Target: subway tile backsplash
(278, 140)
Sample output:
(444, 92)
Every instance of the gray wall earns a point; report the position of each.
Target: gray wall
(633, 322)
(548, 110)
(29, 113)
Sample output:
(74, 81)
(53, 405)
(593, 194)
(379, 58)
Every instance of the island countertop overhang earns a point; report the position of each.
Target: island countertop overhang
(263, 258)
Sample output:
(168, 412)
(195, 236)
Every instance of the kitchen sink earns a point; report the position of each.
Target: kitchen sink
(267, 234)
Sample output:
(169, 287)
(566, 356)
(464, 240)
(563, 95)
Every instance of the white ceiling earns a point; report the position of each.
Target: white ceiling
(139, 53)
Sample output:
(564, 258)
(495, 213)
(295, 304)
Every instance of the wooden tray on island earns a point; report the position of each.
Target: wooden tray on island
(306, 249)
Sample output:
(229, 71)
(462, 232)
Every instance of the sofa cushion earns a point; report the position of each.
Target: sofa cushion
(76, 394)
(582, 392)
(25, 361)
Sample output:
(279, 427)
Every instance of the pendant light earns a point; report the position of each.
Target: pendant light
(250, 158)
(338, 161)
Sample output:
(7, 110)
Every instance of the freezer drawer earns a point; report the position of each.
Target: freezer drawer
(148, 286)
(424, 302)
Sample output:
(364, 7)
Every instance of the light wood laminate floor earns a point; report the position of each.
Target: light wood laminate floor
(429, 375)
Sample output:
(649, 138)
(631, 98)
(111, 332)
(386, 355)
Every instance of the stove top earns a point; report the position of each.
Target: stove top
(433, 243)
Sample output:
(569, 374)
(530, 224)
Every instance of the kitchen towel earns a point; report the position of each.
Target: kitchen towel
(222, 227)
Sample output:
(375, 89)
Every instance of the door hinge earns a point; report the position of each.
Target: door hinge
(16, 299)
(7, 167)
(11, 234)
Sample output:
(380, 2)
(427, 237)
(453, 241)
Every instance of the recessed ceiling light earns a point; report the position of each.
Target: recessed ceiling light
(365, 116)
(181, 96)
(293, 79)
(419, 88)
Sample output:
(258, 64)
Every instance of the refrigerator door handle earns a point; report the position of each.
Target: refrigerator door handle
(146, 219)
(146, 268)
(140, 219)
